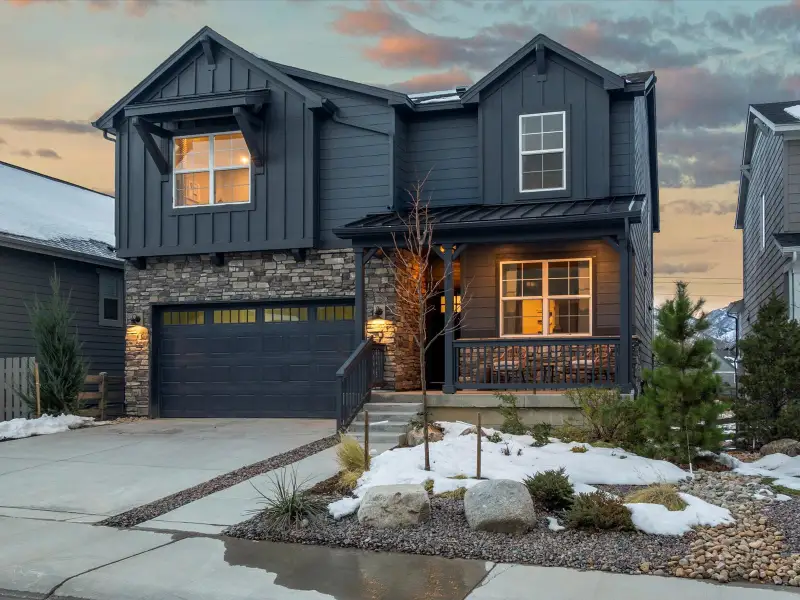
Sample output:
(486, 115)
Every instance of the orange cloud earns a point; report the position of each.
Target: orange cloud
(375, 19)
(434, 81)
(134, 8)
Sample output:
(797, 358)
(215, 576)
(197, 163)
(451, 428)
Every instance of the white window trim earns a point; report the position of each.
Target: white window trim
(763, 223)
(210, 170)
(563, 151)
(545, 297)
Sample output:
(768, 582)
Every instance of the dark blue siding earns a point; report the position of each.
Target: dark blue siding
(444, 148)
(622, 161)
(26, 275)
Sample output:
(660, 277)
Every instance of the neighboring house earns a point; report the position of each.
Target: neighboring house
(51, 226)
(768, 210)
(256, 202)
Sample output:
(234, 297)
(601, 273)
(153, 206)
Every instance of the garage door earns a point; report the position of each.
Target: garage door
(251, 361)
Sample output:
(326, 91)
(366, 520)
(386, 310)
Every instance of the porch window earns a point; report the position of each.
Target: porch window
(211, 169)
(546, 297)
(542, 152)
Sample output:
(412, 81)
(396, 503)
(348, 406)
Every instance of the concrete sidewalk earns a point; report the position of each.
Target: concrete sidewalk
(57, 560)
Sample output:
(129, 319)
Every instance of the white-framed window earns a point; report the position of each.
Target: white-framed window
(210, 169)
(546, 297)
(763, 223)
(543, 152)
(110, 296)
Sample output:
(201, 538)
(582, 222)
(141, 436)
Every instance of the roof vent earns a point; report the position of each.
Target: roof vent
(461, 90)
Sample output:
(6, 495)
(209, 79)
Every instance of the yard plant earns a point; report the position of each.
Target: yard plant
(350, 457)
(664, 494)
(599, 511)
(289, 504)
(551, 489)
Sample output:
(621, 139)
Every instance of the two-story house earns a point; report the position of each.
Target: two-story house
(257, 204)
(768, 208)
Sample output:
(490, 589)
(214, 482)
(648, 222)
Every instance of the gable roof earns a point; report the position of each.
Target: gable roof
(775, 115)
(611, 80)
(50, 216)
(106, 121)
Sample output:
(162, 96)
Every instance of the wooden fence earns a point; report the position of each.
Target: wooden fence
(14, 376)
(103, 396)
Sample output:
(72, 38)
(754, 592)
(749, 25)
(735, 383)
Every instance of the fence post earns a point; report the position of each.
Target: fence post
(480, 431)
(38, 389)
(366, 440)
(103, 395)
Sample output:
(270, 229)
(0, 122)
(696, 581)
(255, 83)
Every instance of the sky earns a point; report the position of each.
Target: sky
(70, 60)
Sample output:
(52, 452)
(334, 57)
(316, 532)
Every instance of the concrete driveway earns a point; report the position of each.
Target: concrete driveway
(89, 474)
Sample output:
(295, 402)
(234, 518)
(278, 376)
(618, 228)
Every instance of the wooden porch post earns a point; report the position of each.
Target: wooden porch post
(360, 316)
(624, 361)
(449, 379)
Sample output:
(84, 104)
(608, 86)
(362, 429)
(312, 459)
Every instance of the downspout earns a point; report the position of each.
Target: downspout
(735, 318)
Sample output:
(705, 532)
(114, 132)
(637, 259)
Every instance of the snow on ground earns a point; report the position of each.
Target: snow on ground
(784, 469)
(552, 524)
(656, 519)
(46, 424)
(455, 455)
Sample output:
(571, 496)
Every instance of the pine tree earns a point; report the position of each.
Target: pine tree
(680, 402)
(767, 406)
(62, 370)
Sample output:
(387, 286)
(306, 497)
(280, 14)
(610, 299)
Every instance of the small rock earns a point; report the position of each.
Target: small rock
(644, 567)
(679, 572)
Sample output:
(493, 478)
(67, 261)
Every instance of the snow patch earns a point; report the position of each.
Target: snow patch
(44, 425)
(794, 111)
(656, 519)
(344, 507)
(454, 428)
(45, 209)
(552, 524)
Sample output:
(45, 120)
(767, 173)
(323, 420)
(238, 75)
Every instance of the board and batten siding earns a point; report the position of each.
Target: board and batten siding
(764, 269)
(622, 147)
(442, 150)
(567, 87)
(480, 274)
(791, 151)
(642, 238)
(354, 163)
(26, 275)
(282, 212)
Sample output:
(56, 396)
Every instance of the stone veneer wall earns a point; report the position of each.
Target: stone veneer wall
(244, 276)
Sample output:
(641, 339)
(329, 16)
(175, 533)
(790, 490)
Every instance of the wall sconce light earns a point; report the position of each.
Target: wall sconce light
(136, 320)
(377, 324)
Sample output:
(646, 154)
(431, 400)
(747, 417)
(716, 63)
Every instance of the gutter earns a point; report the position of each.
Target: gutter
(41, 248)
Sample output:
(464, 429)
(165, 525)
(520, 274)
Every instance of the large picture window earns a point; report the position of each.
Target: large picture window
(546, 297)
(211, 169)
(542, 152)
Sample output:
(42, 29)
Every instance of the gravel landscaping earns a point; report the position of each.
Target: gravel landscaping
(143, 513)
(447, 534)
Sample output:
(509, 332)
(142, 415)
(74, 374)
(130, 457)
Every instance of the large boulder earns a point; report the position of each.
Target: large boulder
(386, 506)
(785, 446)
(415, 437)
(499, 505)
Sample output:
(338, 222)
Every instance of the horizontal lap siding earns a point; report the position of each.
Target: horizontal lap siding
(26, 275)
(764, 270)
(792, 191)
(622, 148)
(355, 165)
(443, 151)
(480, 275)
(642, 238)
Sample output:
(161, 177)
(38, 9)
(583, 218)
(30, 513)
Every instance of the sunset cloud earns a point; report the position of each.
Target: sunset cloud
(665, 268)
(52, 125)
(133, 8)
(40, 152)
(430, 82)
(702, 207)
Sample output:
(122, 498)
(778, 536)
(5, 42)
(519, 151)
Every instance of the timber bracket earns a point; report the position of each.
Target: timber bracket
(253, 131)
(147, 132)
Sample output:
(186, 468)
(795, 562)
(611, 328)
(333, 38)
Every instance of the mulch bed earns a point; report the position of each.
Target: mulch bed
(447, 534)
(146, 512)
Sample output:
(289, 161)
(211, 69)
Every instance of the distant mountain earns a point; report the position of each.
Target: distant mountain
(722, 327)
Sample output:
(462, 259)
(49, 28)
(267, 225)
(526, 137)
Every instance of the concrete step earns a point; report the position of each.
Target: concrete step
(395, 426)
(395, 410)
(379, 437)
(383, 397)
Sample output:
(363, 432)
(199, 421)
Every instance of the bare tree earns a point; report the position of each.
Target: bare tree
(415, 286)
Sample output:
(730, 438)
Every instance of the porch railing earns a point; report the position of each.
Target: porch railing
(536, 363)
(362, 371)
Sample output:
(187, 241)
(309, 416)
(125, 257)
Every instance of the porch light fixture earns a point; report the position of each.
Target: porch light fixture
(377, 325)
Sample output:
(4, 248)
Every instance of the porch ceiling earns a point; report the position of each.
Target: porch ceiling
(522, 217)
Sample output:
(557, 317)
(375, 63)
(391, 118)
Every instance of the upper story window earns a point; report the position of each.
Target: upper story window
(542, 152)
(211, 169)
